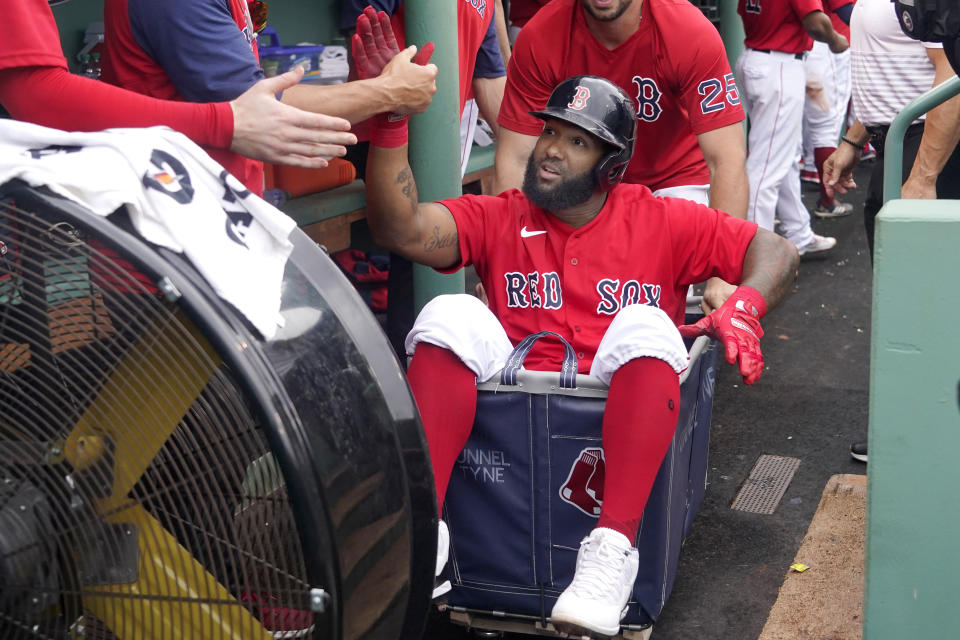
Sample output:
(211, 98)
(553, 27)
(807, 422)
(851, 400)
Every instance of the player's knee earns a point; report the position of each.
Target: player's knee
(642, 318)
(639, 331)
(465, 326)
(458, 309)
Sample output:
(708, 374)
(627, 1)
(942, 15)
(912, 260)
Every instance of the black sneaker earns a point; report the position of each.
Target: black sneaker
(858, 451)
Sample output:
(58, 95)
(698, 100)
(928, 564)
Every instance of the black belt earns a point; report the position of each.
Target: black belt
(878, 133)
(798, 56)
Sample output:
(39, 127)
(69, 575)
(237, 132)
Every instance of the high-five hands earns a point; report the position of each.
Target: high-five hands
(737, 325)
(374, 45)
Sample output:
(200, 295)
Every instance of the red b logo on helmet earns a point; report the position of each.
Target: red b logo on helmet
(580, 98)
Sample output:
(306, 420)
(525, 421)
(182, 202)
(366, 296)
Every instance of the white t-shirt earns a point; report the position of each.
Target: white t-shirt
(888, 69)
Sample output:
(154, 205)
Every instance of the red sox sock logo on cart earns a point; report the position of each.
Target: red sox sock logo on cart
(584, 485)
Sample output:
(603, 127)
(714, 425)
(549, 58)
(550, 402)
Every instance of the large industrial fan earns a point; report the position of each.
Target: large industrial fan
(167, 473)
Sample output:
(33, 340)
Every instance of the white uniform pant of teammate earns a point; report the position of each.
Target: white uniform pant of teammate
(465, 326)
(824, 111)
(772, 86)
(468, 129)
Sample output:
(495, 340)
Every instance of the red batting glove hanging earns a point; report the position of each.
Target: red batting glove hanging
(737, 325)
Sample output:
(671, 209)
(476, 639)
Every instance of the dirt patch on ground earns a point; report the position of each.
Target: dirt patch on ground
(825, 602)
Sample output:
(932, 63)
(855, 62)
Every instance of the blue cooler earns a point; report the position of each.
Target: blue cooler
(276, 58)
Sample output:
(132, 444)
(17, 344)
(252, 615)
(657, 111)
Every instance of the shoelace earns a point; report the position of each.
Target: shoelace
(600, 570)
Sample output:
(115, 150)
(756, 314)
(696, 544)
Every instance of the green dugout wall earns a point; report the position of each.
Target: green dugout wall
(913, 512)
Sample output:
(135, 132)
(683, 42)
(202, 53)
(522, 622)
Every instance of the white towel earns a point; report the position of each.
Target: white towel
(333, 62)
(177, 197)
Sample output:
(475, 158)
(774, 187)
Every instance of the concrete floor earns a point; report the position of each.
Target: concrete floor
(811, 404)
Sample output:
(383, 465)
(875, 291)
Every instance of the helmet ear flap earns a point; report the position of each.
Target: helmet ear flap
(609, 171)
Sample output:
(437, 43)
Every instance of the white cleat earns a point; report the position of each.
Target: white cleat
(596, 600)
(443, 552)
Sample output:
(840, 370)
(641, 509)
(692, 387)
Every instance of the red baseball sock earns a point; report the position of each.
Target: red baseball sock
(446, 394)
(638, 425)
(820, 155)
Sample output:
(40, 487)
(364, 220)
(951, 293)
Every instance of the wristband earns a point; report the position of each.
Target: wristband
(389, 130)
(851, 143)
(752, 296)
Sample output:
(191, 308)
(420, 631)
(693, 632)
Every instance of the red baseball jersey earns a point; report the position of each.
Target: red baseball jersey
(776, 25)
(30, 36)
(126, 64)
(522, 10)
(674, 65)
(542, 274)
(839, 25)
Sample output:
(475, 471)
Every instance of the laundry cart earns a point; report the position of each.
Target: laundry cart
(525, 491)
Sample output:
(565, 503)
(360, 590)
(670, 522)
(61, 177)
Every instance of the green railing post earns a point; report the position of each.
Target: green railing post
(893, 144)
(435, 135)
(731, 31)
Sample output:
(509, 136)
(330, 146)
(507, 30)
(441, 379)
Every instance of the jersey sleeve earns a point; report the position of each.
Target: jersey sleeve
(199, 46)
(802, 8)
(53, 97)
(530, 80)
(489, 61)
(472, 215)
(707, 87)
(30, 36)
(708, 242)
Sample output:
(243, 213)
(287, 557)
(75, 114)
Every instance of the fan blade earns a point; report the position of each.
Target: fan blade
(156, 382)
(174, 596)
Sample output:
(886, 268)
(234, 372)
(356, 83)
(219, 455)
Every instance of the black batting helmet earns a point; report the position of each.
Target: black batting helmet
(599, 107)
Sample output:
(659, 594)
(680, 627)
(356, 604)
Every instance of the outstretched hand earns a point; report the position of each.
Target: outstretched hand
(293, 137)
(374, 44)
(737, 325)
(838, 170)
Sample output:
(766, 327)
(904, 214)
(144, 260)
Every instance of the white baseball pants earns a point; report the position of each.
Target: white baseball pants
(465, 326)
(772, 85)
(823, 116)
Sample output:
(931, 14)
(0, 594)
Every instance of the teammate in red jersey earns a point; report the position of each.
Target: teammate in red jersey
(671, 60)
(36, 86)
(205, 50)
(520, 13)
(772, 77)
(603, 264)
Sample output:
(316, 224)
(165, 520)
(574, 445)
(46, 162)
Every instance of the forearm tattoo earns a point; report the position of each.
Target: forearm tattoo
(437, 241)
(408, 187)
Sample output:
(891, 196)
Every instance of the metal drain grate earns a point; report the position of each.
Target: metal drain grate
(768, 481)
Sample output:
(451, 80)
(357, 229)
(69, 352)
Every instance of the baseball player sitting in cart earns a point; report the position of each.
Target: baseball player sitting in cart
(607, 266)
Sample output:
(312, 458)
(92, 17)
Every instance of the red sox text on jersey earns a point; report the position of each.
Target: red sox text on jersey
(545, 291)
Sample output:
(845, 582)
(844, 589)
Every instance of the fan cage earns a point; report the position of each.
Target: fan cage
(138, 493)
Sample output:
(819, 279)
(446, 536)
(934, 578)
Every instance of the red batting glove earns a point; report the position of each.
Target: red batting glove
(422, 57)
(737, 325)
(374, 44)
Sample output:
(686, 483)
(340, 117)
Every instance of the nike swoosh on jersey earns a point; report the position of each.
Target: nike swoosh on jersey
(529, 234)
